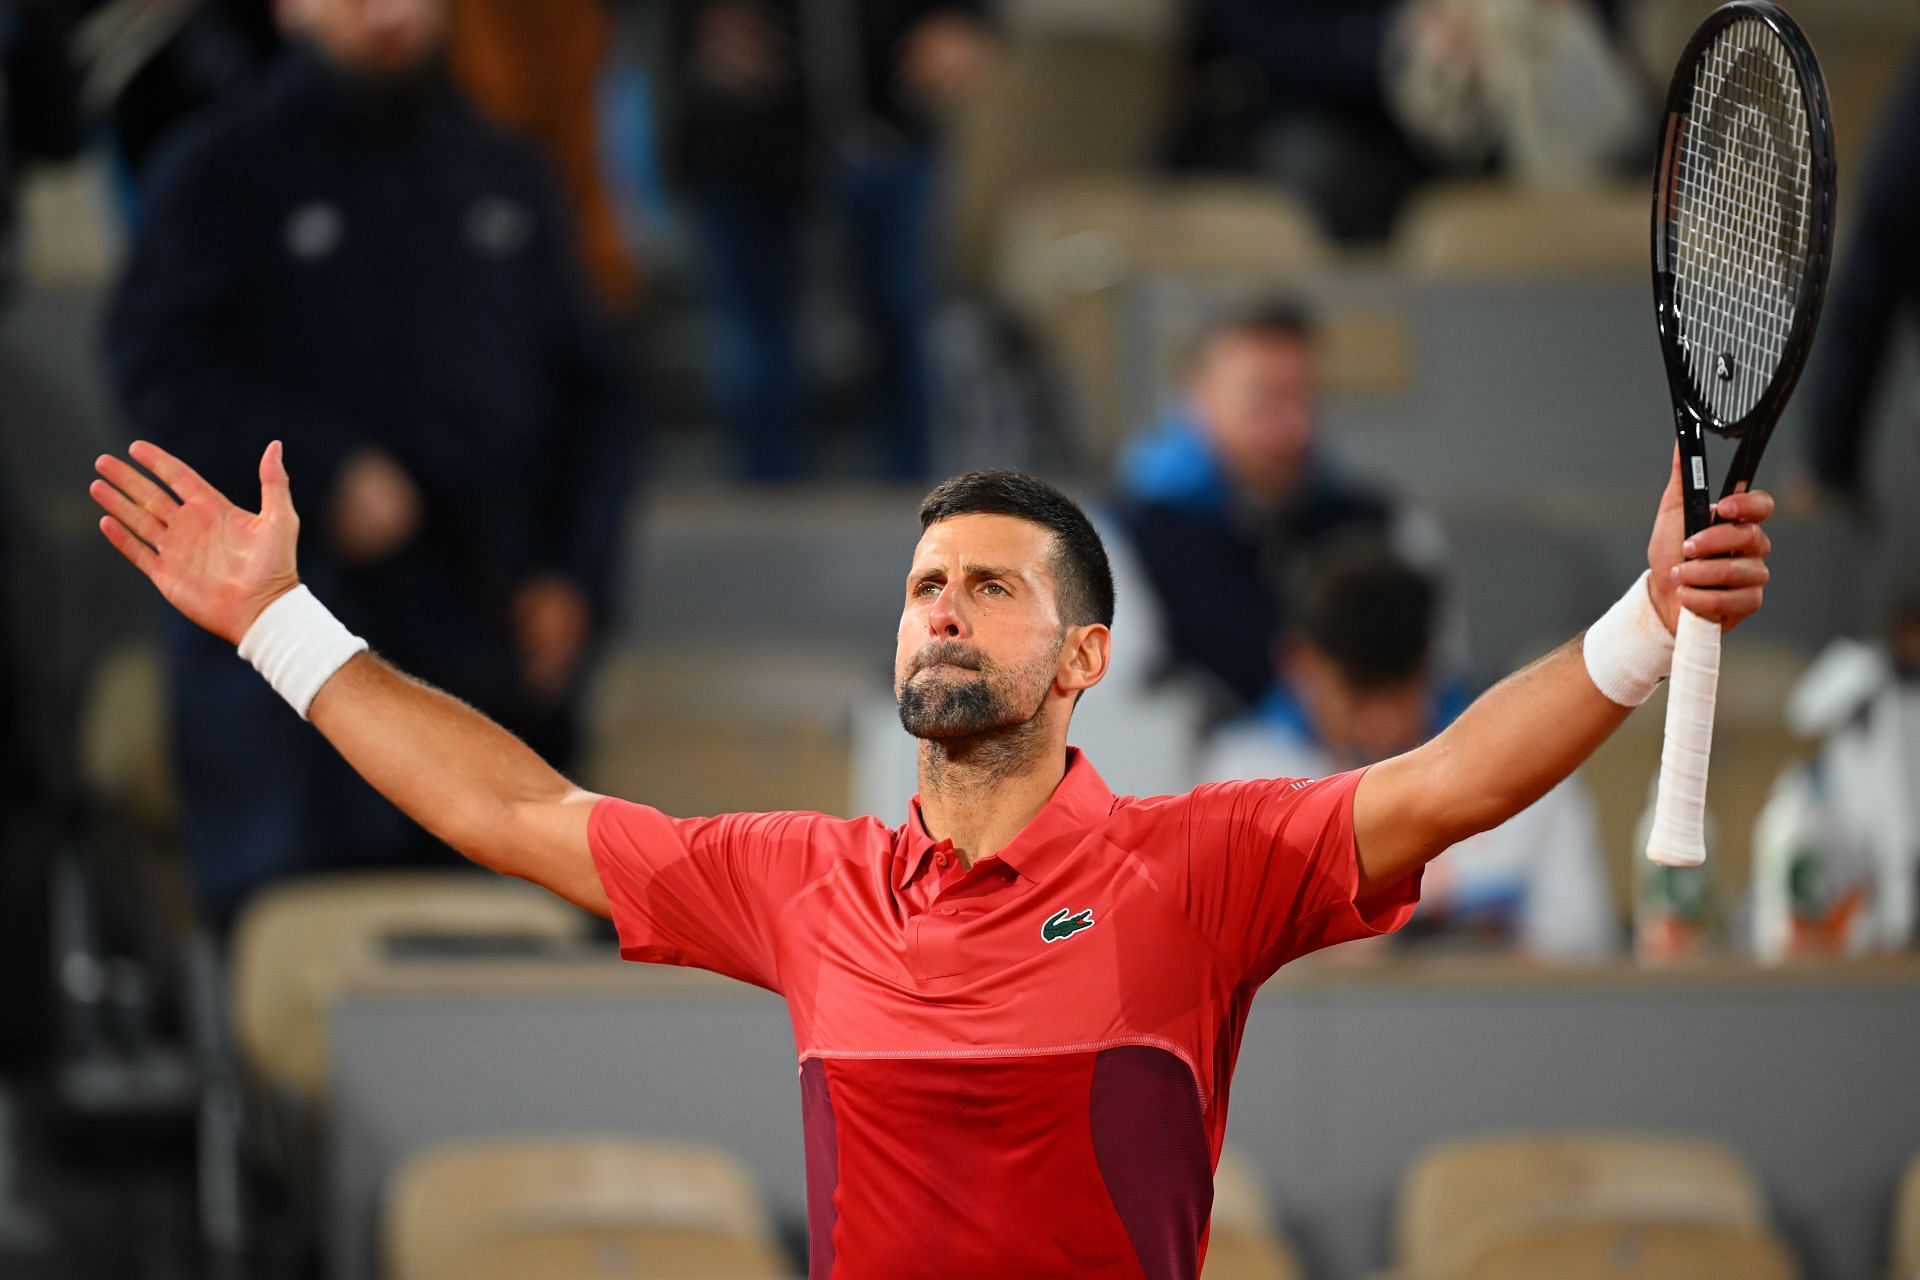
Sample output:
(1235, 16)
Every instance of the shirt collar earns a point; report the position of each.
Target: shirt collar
(1079, 801)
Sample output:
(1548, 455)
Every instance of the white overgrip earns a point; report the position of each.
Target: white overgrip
(1678, 837)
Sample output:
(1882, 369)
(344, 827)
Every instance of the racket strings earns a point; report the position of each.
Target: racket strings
(1739, 217)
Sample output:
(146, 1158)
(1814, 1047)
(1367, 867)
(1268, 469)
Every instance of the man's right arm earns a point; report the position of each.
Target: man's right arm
(462, 777)
(445, 765)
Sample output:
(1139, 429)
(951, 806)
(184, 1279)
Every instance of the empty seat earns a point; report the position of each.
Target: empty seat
(298, 941)
(1245, 1242)
(124, 717)
(1047, 109)
(577, 1209)
(1906, 1226)
(1488, 229)
(1460, 1194)
(1071, 252)
(1628, 1251)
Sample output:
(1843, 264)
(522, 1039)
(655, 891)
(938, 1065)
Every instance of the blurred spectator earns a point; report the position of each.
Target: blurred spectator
(1836, 858)
(39, 106)
(785, 98)
(1291, 89)
(1539, 85)
(1221, 499)
(1878, 281)
(349, 260)
(1355, 684)
(535, 68)
(1351, 104)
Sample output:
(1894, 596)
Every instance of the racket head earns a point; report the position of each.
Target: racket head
(1743, 218)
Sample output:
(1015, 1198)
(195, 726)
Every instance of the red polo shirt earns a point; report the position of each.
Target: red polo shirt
(1018, 1069)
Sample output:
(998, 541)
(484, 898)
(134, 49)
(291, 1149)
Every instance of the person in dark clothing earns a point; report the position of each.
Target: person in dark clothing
(786, 99)
(350, 261)
(1220, 500)
(1291, 89)
(1879, 280)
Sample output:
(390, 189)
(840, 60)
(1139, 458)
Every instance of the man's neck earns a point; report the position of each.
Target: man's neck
(979, 792)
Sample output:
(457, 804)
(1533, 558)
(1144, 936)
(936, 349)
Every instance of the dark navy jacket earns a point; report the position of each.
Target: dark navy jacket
(310, 269)
(302, 273)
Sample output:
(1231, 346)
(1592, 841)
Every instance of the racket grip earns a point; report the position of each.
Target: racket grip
(1678, 837)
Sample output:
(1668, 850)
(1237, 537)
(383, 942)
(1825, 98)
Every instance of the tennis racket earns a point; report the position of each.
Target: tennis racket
(1742, 234)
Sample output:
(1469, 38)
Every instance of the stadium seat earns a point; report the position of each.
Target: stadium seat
(1461, 1194)
(1627, 1251)
(577, 1209)
(124, 760)
(1492, 230)
(1906, 1226)
(1047, 109)
(712, 729)
(1245, 1244)
(1071, 254)
(297, 942)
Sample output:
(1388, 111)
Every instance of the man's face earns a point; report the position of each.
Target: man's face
(980, 637)
(1358, 725)
(1257, 395)
(372, 37)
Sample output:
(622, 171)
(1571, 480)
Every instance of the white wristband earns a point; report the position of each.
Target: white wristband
(1629, 651)
(298, 645)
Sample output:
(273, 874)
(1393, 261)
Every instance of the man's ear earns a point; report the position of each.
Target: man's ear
(1084, 657)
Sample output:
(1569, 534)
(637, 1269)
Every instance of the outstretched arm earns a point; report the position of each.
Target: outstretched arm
(445, 765)
(1535, 727)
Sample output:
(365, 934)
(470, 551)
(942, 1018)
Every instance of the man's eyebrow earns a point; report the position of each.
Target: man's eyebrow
(992, 571)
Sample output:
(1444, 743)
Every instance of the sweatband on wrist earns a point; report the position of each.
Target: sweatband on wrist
(298, 645)
(1629, 651)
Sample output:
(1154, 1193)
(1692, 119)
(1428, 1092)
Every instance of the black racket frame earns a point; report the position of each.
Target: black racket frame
(1691, 419)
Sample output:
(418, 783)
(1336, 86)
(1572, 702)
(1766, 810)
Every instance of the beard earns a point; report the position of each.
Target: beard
(956, 705)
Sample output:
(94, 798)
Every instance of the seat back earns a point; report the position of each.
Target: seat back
(1461, 1193)
(1245, 1243)
(1496, 230)
(1074, 256)
(577, 1209)
(1629, 1251)
(1046, 109)
(297, 942)
(1906, 1225)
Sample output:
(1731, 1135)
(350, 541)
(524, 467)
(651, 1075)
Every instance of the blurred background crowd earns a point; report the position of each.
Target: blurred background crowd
(613, 342)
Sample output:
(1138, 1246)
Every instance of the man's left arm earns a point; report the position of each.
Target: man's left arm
(1535, 727)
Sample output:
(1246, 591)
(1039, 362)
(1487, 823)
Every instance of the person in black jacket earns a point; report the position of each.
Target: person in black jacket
(783, 100)
(1877, 283)
(347, 259)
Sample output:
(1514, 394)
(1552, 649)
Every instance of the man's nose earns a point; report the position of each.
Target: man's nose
(947, 619)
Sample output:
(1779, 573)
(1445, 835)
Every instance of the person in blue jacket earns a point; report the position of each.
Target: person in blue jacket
(1222, 498)
(346, 258)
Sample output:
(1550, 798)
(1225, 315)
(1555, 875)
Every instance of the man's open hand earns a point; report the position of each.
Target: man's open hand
(1719, 573)
(215, 563)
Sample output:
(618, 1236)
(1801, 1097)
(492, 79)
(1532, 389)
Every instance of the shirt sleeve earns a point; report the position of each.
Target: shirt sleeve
(1273, 871)
(702, 892)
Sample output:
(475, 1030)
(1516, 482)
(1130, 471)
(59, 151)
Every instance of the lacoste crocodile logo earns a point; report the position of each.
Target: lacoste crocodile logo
(1064, 924)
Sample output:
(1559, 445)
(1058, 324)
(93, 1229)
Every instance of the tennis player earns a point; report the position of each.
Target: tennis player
(1016, 1014)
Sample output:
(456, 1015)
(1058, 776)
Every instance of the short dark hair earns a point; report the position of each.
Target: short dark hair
(1273, 316)
(1366, 607)
(1085, 579)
